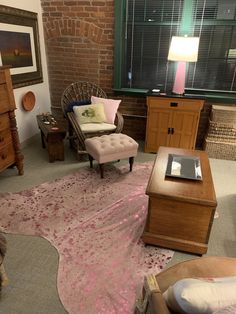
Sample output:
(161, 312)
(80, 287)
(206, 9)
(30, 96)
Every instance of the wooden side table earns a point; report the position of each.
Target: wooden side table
(52, 136)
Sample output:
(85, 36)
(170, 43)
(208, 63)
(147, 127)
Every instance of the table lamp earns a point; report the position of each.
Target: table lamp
(182, 49)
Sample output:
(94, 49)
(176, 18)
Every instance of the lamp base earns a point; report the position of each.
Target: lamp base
(179, 84)
(177, 94)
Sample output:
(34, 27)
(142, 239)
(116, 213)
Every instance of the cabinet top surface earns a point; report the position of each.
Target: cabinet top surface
(180, 97)
(201, 192)
(50, 128)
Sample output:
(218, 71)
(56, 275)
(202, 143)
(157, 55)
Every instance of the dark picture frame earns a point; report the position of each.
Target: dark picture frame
(21, 49)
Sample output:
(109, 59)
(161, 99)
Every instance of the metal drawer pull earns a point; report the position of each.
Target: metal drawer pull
(174, 104)
(171, 130)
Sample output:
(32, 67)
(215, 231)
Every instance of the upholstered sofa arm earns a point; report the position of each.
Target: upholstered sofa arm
(204, 267)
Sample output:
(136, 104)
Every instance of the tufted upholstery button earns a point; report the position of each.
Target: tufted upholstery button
(111, 147)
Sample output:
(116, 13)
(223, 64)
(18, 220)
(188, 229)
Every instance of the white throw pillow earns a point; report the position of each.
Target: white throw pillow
(201, 296)
(90, 113)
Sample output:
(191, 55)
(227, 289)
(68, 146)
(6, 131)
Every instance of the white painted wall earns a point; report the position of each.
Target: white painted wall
(26, 121)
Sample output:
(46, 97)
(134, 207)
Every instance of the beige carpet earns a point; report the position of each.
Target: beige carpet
(31, 262)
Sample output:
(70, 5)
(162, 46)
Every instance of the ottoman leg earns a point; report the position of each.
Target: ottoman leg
(91, 161)
(101, 170)
(131, 161)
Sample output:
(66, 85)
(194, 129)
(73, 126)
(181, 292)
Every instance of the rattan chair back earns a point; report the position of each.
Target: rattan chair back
(78, 91)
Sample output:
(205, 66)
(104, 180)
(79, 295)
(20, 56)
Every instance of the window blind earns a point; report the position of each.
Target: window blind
(148, 28)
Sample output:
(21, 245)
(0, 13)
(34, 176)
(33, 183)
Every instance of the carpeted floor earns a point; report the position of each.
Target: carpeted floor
(32, 262)
(96, 227)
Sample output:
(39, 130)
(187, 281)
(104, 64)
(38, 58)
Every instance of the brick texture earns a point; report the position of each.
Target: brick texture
(79, 39)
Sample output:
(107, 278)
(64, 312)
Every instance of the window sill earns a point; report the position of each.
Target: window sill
(131, 91)
(216, 96)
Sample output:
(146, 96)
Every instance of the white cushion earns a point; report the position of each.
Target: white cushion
(90, 113)
(97, 127)
(227, 310)
(201, 296)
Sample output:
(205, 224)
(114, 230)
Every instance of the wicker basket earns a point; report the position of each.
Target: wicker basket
(222, 131)
(224, 114)
(220, 150)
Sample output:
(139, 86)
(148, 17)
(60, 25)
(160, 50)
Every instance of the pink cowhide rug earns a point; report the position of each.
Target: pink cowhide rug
(95, 225)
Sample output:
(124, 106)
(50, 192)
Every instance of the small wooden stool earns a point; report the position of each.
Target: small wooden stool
(111, 147)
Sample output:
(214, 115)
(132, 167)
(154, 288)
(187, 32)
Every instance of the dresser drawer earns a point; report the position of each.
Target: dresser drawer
(5, 137)
(175, 103)
(4, 99)
(4, 121)
(7, 156)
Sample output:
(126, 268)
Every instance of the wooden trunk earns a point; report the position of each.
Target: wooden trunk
(181, 211)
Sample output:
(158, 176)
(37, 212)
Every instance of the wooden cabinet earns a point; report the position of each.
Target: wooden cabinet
(10, 154)
(172, 121)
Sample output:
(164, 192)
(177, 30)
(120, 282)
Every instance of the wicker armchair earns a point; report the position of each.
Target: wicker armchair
(82, 91)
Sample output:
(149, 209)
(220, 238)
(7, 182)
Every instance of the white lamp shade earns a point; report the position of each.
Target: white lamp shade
(183, 49)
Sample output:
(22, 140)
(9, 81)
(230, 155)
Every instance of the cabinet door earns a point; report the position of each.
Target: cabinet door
(184, 128)
(157, 129)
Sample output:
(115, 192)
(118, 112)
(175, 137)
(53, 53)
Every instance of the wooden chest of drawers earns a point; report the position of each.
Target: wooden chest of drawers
(10, 154)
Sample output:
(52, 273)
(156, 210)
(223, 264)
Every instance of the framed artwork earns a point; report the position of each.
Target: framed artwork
(19, 45)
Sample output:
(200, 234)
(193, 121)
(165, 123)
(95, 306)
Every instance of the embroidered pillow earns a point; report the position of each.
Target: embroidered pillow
(90, 113)
(77, 103)
(110, 107)
(201, 296)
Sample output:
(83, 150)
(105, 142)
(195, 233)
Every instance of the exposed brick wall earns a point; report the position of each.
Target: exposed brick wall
(79, 43)
(80, 46)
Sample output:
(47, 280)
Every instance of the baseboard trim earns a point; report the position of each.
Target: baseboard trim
(29, 141)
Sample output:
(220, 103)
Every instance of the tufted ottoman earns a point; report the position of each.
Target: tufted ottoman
(111, 147)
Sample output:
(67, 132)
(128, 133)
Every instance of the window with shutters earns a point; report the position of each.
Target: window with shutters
(143, 32)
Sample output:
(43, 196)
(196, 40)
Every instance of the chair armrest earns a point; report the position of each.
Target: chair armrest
(4, 281)
(152, 301)
(120, 122)
(76, 128)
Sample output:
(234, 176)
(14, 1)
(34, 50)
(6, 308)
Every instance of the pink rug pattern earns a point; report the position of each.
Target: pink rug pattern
(95, 225)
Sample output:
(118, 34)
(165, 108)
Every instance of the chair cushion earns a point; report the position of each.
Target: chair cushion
(227, 310)
(201, 296)
(90, 113)
(110, 107)
(97, 127)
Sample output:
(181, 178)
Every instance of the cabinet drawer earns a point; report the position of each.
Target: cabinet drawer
(4, 99)
(4, 121)
(175, 103)
(7, 156)
(5, 137)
